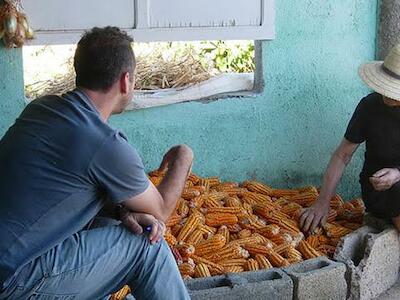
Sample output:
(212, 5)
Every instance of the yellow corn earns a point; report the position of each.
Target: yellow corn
(194, 178)
(234, 269)
(219, 219)
(235, 228)
(191, 223)
(263, 262)
(183, 208)
(195, 237)
(256, 249)
(121, 294)
(190, 193)
(277, 193)
(211, 181)
(213, 267)
(186, 269)
(228, 252)
(257, 187)
(201, 270)
(313, 241)
(233, 262)
(170, 239)
(282, 249)
(307, 251)
(174, 219)
(269, 230)
(276, 259)
(211, 245)
(251, 265)
(223, 230)
(335, 231)
(244, 233)
(232, 202)
(224, 210)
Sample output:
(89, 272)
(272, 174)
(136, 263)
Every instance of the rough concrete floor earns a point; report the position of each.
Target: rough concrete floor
(392, 294)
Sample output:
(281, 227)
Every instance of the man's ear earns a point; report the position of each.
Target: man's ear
(124, 82)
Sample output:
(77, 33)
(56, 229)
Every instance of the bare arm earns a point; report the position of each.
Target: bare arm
(160, 202)
(317, 213)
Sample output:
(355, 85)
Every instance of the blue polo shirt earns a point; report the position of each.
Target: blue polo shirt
(59, 162)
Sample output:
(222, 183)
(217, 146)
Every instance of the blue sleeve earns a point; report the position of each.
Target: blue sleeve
(118, 169)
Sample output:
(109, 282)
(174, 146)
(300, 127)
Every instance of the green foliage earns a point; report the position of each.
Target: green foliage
(228, 56)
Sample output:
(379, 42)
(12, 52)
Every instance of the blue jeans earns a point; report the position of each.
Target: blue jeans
(94, 263)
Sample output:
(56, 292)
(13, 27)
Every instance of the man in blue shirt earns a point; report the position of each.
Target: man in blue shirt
(61, 163)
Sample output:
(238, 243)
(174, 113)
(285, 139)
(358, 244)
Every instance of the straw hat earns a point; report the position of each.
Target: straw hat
(384, 76)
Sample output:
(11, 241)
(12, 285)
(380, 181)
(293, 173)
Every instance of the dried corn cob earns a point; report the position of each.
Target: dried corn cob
(186, 269)
(155, 180)
(255, 198)
(307, 251)
(211, 245)
(177, 255)
(331, 216)
(269, 230)
(256, 249)
(313, 241)
(191, 223)
(305, 199)
(250, 221)
(190, 193)
(198, 201)
(207, 229)
(336, 202)
(234, 269)
(334, 241)
(195, 237)
(201, 270)
(211, 202)
(233, 262)
(232, 202)
(277, 193)
(219, 219)
(183, 208)
(257, 187)
(293, 254)
(185, 250)
(170, 239)
(291, 208)
(254, 239)
(224, 210)
(349, 225)
(211, 181)
(282, 249)
(252, 265)
(174, 219)
(225, 232)
(247, 209)
(277, 260)
(282, 201)
(335, 231)
(213, 267)
(263, 262)
(244, 233)
(228, 252)
(234, 228)
(121, 294)
(175, 229)
(193, 178)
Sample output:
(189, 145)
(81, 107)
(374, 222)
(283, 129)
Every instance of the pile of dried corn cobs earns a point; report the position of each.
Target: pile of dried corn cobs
(220, 227)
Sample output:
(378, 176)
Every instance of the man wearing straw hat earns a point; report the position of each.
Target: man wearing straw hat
(376, 121)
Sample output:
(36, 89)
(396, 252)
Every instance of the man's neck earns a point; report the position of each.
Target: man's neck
(103, 101)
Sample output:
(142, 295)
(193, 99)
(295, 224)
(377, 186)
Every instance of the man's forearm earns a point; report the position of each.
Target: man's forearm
(331, 178)
(172, 185)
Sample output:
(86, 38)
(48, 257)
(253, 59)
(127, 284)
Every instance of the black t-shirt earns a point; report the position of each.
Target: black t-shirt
(379, 126)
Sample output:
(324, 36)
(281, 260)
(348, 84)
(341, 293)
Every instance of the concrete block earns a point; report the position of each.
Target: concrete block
(372, 258)
(318, 278)
(263, 284)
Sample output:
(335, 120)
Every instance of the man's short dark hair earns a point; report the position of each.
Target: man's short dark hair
(102, 55)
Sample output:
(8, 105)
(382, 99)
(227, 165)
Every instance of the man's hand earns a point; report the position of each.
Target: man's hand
(384, 179)
(177, 152)
(313, 216)
(135, 222)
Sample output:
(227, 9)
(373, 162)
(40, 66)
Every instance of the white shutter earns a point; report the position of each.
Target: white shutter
(61, 21)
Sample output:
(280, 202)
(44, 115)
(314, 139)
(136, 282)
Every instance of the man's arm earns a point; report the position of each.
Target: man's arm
(317, 213)
(160, 202)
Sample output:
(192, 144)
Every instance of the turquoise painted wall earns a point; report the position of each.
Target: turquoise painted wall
(285, 135)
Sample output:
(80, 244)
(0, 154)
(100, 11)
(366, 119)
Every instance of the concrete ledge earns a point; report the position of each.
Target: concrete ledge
(263, 284)
(318, 278)
(372, 258)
